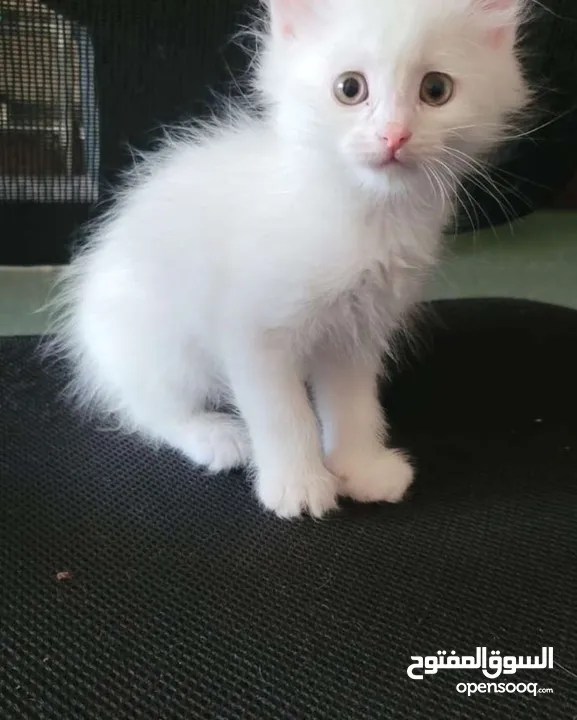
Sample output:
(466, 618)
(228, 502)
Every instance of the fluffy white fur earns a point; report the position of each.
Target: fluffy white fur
(245, 259)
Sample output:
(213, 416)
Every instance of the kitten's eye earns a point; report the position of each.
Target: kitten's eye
(437, 89)
(351, 88)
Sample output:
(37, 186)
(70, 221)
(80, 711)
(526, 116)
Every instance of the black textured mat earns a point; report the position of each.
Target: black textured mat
(186, 601)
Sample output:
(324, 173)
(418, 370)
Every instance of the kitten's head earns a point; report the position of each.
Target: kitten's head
(393, 86)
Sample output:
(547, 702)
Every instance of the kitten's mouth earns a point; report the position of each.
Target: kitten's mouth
(387, 163)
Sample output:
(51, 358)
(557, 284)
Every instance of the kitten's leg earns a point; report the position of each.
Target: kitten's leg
(214, 440)
(154, 380)
(291, 477)
(174, 411)
(354, 431)
(162, 392)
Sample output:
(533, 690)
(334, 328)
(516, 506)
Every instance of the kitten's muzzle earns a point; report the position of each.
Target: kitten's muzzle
(394, 138)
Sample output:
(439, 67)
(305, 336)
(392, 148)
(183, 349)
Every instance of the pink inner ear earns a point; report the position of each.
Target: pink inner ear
(498, 37)
(498, 4)
(287, 14)
(503, 31)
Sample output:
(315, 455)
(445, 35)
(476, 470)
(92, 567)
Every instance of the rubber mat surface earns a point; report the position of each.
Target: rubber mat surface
(181, 599)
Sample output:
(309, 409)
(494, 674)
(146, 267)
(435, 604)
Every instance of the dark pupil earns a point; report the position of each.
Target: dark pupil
(436, 89)
(351, 88)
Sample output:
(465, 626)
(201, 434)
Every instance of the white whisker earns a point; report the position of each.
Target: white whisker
(477, 171)
(461, 186)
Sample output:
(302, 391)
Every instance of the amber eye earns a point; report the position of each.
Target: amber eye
(351, 88)
(437, 89)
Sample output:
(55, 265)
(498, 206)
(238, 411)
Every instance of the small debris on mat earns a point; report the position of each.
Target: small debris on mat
(65, 575)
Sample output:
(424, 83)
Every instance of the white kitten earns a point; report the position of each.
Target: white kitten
(244, 260)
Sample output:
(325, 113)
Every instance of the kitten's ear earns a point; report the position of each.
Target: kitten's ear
(499, 6)
(503, 16)
(288, 17)
(501, 11)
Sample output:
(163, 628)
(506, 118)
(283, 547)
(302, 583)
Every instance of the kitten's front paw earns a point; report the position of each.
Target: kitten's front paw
(292, 494)
(382, 475)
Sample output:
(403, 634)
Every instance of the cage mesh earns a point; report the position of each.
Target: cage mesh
(48, 109)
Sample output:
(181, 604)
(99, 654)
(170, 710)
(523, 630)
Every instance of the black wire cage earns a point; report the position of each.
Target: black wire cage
(83, 80)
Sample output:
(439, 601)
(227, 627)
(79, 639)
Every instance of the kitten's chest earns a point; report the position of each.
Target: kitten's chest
(389, 264)
(377, 293)
(363, 317)
(377, 297)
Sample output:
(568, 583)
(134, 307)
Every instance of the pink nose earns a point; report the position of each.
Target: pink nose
(396, 136)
